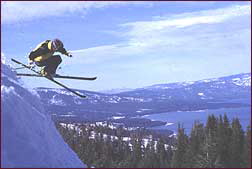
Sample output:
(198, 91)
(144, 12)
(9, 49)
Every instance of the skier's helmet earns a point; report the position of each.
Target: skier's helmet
(56, 44)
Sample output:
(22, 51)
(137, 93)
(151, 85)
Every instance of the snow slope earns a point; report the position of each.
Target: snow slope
(29, 137)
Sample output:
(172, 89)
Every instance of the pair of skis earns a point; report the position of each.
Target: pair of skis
(52, 79)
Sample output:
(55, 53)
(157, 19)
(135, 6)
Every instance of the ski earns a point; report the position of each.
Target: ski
(58, 76)
(58, 83)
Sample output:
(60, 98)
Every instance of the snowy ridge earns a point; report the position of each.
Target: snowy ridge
(226, 91)
(216, 89)
(246, 81)
(29, 137)
(239, 80)
(61, 91)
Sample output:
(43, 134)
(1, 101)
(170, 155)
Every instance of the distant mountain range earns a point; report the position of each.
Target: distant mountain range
(229, 91)
(115, 91)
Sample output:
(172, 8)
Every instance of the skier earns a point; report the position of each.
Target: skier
(43, 56)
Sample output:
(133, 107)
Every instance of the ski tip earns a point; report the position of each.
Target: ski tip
(14, 60)
(92, 78)
(82, 96)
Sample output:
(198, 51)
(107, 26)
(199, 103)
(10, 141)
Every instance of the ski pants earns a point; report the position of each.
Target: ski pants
(50, 64)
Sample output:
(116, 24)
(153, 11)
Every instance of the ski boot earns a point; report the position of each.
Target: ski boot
(47, 74)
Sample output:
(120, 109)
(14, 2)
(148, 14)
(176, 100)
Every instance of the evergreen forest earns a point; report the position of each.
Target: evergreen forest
(220, 143)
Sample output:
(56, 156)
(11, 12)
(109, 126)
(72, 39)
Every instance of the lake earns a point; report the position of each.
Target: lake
(187, 118)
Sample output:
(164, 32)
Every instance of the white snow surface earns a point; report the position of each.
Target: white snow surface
(29, 137)
(244, 81)
(201, 94)
(118, 117)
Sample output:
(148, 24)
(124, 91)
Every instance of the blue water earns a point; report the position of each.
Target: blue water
(187, 118)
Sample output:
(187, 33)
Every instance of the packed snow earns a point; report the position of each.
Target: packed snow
(29, 136)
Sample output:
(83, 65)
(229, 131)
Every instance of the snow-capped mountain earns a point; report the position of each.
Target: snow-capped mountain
(29, 137)
(230, 91)
(223, 88)
(243, 79)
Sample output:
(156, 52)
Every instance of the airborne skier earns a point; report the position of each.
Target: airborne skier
(43, 56)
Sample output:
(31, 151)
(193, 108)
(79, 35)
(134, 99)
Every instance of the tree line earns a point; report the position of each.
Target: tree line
(218, 144)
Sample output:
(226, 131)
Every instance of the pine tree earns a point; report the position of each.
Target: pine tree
(196, 140)
(137, 152)
(211, 126)
(162, 154)
(223, 137)
(106, 157)
(125, 154)
(169, 155)
(208, 156)
(225, 145)
(150, 159)
(247, 149)
(237, 143)
(179, 159)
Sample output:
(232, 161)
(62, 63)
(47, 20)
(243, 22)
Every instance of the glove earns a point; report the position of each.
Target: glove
(31, 64)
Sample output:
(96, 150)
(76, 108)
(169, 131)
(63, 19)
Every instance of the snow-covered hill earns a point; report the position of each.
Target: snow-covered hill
(216, 89)
(29, 137)
(224, 92)
(243, 80)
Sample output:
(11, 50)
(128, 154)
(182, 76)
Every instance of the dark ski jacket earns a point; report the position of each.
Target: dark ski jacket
(44, 51)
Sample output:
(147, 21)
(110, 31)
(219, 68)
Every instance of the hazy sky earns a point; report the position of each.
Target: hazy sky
(132, 44)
